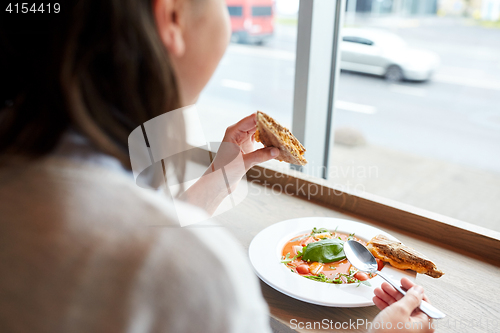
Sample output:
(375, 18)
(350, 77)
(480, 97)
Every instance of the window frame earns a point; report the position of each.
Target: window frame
(316, 74)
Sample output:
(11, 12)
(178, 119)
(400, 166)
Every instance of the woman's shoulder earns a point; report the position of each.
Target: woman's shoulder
(127, 244)
(201, 266)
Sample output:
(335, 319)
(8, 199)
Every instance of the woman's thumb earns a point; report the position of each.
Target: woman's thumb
(259, 156)
(412, 299)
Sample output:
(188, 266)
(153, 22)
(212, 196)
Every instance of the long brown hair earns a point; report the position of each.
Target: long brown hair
(101, 68)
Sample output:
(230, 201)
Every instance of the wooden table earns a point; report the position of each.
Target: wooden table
(469, 292)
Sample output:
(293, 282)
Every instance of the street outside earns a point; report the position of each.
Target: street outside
(436, 144)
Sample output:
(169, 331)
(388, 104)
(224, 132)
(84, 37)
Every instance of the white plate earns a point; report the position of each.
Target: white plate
(265, 255)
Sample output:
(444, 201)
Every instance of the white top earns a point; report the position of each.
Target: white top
(84, 249)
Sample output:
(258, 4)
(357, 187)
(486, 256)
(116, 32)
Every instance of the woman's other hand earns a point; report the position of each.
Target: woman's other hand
(398, 311)
(243, 135)
(235, 156)
(237, 153)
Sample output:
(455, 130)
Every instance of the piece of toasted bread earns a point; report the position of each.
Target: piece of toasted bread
(401, 256)
(272, 134)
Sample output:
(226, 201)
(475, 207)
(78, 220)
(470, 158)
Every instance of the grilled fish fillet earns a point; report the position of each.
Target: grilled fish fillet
(272, 134)
(401, 256)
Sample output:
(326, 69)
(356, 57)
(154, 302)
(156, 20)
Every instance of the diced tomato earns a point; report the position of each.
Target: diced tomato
(380, 264)
(361, 276)
(303, 269)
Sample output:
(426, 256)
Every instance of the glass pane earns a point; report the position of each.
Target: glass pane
(417, 115)
(257, 71)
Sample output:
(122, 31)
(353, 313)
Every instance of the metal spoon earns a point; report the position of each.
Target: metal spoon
(359, 256)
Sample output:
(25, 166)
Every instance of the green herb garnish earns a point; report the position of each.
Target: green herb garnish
(313, 232)
(324, 251)
(320, 278)
(286, 260)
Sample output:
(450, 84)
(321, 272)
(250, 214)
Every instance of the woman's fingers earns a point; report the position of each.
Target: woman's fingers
(246, 124)
(387, 288)
(390, 295)
(259, 156)
(407, 284)
(380, 303)
(384, 296)
(242, 133)
(411, 300)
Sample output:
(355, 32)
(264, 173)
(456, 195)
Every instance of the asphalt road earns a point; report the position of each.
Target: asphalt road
(454, 117)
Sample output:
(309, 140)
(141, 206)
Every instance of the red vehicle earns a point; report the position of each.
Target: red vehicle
(252, 21)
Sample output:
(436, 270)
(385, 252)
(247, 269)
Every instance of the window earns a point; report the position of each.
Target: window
(413, 118)
(418, 119)
(262, 11)
(235, 10)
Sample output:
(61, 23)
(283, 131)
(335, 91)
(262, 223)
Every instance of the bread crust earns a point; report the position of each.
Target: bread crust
(272, 134)
(401, 256)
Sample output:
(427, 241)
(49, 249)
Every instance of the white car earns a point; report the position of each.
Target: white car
(383, 53)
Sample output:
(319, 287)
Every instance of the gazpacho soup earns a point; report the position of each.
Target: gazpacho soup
(319, 256)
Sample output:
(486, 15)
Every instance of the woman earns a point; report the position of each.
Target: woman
(77, 250)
